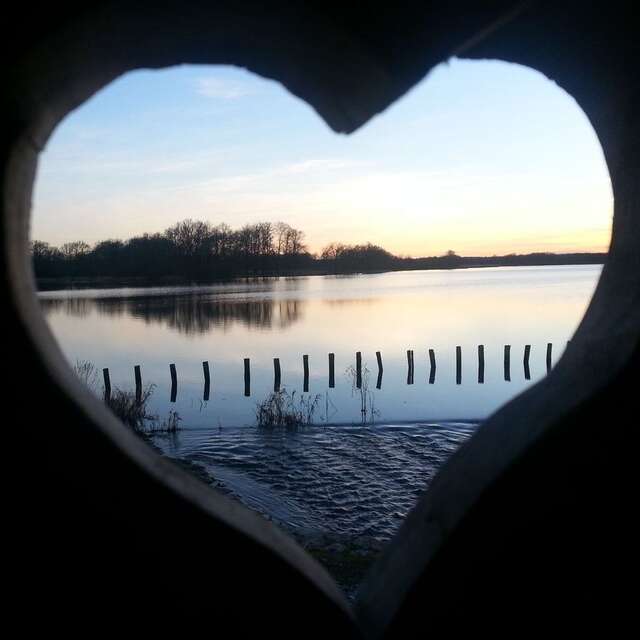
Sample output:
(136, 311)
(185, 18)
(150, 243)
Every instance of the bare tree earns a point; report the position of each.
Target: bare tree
(73, 250)
(264, 237)
(221, 240)
(191, 237)
(281, 231)
(41, 250)
(289, 241)
(297, 242)
(332, 251)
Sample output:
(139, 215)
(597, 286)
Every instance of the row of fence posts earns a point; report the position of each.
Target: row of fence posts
(332, 377)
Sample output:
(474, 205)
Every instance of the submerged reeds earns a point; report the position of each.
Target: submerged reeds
(131, 410)
(359, 377)
(282, 409)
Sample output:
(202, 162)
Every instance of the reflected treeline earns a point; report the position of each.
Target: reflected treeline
(190, 315)
(77, 307)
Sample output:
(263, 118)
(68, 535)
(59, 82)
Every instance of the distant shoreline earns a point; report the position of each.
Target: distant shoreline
(406, 264)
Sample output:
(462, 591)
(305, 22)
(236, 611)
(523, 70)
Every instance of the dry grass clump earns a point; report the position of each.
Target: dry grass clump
(132, 412)
(123, 402)
(280, 409)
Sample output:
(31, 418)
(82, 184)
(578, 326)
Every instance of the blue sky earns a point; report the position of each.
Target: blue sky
(480, 157)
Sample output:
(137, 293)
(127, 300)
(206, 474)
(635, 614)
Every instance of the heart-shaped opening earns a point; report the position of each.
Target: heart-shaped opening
(325, 381)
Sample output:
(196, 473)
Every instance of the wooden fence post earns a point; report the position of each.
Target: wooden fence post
(549, 349)
(379, 359)
(480, 364)
(527, 370)
(332, 371)
(107, 385)
(432, 366)
(507, 362)
(276, 375)
(138, 377)
(358, 370)
(174, 382)
(207, 381)
(305, 365)
(458, 365)
(247, 377)
(410, 366)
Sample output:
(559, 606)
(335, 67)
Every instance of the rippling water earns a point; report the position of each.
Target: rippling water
(348, 481)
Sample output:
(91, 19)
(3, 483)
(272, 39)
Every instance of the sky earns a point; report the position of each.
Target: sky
(481, 157)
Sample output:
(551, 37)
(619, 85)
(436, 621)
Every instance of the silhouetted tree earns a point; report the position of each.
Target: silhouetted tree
(74, 250)
(357, 258)
(47, 260)
(150, 255)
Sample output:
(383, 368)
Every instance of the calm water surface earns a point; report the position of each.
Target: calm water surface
(333, 476)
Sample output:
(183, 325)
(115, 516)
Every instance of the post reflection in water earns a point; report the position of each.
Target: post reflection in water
(467, 320)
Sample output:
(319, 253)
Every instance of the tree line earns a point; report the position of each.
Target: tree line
(197, 250)
(190, 248)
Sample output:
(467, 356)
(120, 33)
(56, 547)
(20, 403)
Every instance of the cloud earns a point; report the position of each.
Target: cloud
(271, 178)
(211, 87)
(315, 164)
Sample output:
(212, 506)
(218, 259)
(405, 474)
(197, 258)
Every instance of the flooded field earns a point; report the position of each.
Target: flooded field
(357, 470)
(287, 318)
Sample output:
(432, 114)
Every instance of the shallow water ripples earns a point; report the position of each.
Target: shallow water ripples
(345, 481)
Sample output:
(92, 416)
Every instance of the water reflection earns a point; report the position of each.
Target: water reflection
(190, 315)
(406, 326)
(75, 307)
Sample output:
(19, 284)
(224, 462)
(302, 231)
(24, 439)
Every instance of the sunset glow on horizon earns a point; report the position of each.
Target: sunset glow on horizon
(483, 158)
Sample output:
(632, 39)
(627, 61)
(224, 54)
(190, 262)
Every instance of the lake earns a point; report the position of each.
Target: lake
(371, 451)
